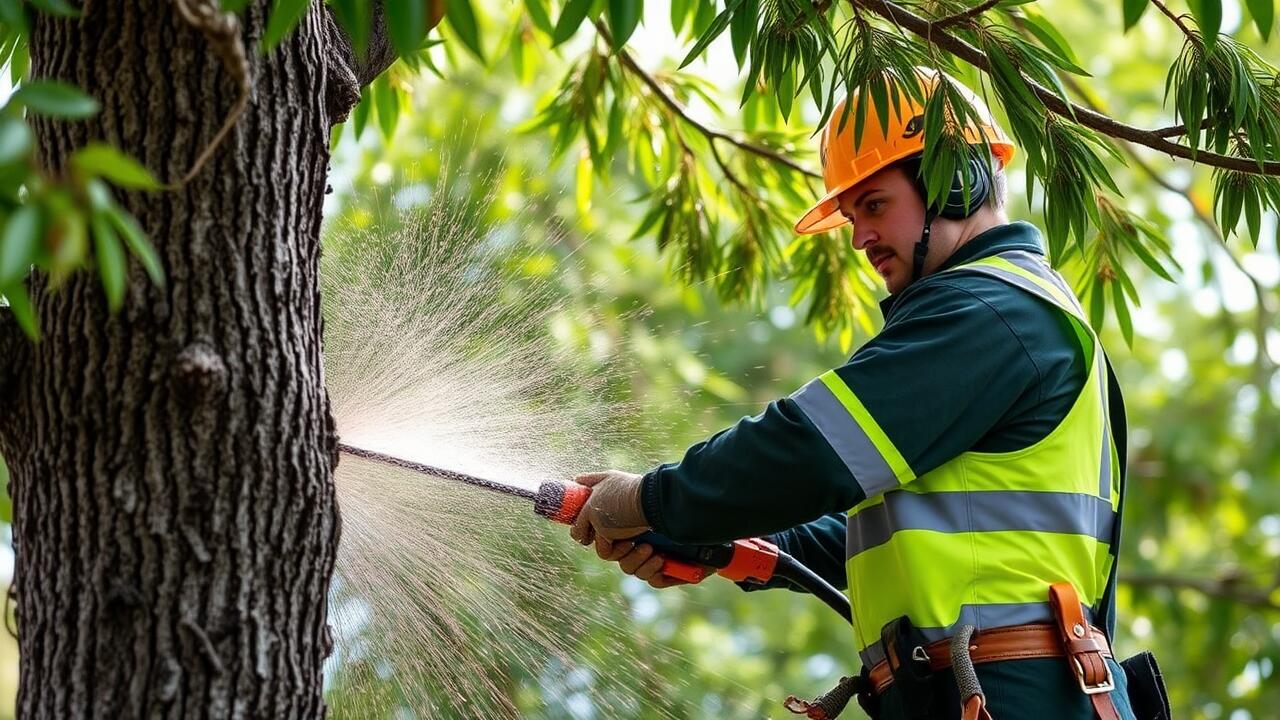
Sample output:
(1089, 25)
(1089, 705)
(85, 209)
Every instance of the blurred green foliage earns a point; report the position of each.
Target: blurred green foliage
(1201, 559)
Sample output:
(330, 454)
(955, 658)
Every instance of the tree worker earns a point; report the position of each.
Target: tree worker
(963, 462)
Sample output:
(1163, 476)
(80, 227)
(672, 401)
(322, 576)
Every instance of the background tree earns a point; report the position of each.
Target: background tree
(718, 201)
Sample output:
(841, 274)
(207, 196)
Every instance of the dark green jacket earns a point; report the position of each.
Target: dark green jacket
(964, 362)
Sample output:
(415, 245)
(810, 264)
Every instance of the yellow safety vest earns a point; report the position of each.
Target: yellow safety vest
(979, 539)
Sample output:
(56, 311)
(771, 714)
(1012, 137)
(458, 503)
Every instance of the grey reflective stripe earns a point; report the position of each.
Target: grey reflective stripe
(1038, 266)
(983, 617)
(1014, 279)
(846, 437)
(986, 511)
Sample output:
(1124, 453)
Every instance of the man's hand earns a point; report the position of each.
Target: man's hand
(613, 511)
(636, 559)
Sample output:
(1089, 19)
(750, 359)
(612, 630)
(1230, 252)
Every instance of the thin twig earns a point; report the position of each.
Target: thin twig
(964, 15)
(1177, 20)
(921, 27)
(674, 105)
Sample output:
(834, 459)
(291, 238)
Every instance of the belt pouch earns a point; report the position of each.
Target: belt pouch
(1146, 687)
(912, 675)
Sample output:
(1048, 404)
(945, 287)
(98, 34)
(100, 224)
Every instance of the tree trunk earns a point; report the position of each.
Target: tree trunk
(174, 514)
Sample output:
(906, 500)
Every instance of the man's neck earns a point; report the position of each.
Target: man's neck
(943, 246)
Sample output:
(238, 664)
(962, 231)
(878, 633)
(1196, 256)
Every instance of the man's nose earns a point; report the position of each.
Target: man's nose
(862, 235)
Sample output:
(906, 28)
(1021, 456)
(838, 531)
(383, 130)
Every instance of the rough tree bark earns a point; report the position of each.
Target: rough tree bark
(174, 514)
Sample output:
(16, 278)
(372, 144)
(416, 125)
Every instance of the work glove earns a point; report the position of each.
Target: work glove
(636, 559)
(613, 511)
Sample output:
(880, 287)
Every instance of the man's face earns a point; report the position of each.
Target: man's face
(888, 217)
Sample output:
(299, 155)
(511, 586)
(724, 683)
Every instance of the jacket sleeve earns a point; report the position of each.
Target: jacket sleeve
(818, 545)
(765, 474)
(934, 381)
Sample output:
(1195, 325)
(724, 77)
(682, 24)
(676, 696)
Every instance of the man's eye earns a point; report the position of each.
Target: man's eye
(874, 205)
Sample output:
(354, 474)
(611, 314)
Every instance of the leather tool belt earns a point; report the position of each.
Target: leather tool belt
(1070, 636)
(1016, 642)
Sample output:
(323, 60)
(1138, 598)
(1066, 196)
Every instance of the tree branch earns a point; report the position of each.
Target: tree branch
(965, 15)
(712, 135)
(1232, 587)
(928, 31)
(348, 75)
(1264, 364)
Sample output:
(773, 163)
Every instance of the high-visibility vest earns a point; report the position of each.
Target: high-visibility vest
(979, 539)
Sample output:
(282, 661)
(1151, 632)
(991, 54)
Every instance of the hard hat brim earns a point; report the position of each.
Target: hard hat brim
(825, 214)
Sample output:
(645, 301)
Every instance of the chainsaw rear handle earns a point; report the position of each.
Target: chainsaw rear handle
(751, 559)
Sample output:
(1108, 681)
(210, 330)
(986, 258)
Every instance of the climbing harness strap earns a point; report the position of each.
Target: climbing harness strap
(973, 703)
(1085, 653)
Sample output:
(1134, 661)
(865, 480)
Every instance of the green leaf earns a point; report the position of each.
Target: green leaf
(679, 14)
(23, 312)
(388, 102)
(462, 18)
(56, 99)
(100, 159)
(1054, 42)
(743, 28)
(19, 243)
(624, 15)
(19, 63)
(354, 17)
(713, 31)
(1133, 10)
(1264, 15)
(407, 23)
(574, 12)
(537, 10)
(138, 244)
(360, 115)
(1122, 313)
(110, 257)
(1253, 214)
(285, 15)
(1208, 15)
(15, 141)
(234, 6)
(1097, 304)
(11, 14)
(1140, 249)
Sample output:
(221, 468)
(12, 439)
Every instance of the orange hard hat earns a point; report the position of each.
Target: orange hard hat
(846, 163)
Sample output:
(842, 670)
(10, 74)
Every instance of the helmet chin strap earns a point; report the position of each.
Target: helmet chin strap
(922, 246)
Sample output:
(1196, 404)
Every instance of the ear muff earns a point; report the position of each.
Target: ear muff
(952, 205)
(979, 180)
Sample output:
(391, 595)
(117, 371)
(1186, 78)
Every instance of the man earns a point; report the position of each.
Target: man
(962, 462)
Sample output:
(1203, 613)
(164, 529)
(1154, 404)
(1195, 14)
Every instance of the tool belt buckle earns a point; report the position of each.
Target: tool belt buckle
(1105, 686)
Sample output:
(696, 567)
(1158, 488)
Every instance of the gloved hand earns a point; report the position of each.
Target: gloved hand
(613, 511)
(636, 559)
